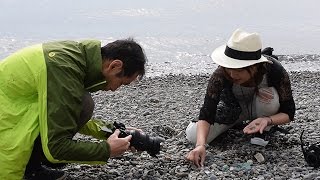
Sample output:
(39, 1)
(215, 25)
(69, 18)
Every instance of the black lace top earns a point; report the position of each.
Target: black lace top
(277, 77)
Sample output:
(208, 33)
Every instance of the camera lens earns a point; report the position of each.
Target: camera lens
(313, 159)
(143, 142)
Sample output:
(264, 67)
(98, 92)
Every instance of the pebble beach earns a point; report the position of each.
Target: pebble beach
(164, 106)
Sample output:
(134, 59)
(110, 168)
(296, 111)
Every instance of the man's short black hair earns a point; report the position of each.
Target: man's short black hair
(129, 52)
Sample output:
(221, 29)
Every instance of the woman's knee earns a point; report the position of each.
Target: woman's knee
(191, 132)
(214, 131)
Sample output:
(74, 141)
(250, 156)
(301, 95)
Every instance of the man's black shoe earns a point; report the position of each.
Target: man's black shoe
(45, 174)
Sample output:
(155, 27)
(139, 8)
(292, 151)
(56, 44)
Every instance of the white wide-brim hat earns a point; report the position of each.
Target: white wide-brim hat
(242, 50)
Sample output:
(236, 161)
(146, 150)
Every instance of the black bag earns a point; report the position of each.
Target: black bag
(268, 51)
(311, 153)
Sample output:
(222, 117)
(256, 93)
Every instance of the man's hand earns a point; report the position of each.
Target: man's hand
(197, 155)
(118, 145)
(257, 125)
(132, 149)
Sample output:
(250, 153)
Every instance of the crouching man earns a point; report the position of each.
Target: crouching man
(45, 100)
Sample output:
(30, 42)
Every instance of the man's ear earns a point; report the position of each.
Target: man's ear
(113, 66)
(116, 64)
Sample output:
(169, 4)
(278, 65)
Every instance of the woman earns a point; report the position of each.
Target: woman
(246, 87)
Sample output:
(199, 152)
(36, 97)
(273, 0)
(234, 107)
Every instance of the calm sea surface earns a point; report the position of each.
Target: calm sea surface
(177, 35)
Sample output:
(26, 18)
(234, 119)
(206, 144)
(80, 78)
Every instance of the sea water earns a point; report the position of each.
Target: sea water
(178, 35)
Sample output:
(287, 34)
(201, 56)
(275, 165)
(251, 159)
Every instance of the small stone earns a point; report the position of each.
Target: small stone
(225, 167)
(154, 100)
(213, 177)
(250, 162)
(182, 174)
(180, 135)
(146, 113)
(259, 157)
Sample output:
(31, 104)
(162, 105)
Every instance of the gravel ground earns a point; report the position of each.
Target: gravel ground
(165, 105)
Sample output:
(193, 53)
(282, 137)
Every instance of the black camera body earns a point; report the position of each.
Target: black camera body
(311, 153)
(140, 141)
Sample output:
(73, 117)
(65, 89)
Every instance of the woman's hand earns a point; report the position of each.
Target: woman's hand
(257, 125)
(197, 155)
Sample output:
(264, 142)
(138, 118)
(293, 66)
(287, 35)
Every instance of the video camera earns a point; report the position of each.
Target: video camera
(140, 141)
(311, 153)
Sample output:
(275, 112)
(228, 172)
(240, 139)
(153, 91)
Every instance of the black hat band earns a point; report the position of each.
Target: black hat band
(241, 55)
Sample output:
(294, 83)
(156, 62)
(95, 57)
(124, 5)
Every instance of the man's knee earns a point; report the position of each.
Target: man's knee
(87, 108)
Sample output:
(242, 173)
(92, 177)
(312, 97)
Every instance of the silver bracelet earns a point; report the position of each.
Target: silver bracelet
(204, 145)
(271, 120)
